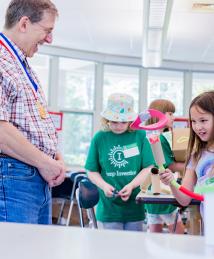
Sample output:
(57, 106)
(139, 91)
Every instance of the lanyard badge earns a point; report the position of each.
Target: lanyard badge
(10, 48)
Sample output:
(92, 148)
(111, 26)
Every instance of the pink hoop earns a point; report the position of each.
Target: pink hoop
(151, 113)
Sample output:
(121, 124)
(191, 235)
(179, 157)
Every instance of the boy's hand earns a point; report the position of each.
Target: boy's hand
(166, 177)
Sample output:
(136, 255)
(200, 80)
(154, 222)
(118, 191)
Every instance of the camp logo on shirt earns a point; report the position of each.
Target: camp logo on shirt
(116, 157)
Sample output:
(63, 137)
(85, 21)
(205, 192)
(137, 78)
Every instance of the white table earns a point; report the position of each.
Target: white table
(19, 241)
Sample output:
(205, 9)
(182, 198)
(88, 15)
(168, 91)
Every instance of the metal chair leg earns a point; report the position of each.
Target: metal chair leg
(72, 198)
(69, 213)
(79, 209)
(176, 221)
(61, 211)
(92, 217)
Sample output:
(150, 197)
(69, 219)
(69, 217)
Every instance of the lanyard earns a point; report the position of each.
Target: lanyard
(9, 47)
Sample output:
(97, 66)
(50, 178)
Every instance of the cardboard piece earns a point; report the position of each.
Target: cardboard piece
(180, 138)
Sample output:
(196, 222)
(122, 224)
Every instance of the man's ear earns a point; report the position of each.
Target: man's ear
(23, 23)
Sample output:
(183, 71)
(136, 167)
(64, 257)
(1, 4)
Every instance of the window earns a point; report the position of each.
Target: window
(202, 82)
(164, 84)
(40, 64)
(76, 100)
(118, 79)
(77, 132)
(76, 84)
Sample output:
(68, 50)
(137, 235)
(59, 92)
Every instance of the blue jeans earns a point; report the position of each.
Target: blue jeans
(24, 195)
(132, 226)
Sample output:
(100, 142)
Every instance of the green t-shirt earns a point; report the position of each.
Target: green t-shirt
(169, 158)
(119, 158)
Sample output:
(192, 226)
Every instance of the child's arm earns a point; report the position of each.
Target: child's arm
(176, 167)
(126, 191)
(97, 179)
(188, 182)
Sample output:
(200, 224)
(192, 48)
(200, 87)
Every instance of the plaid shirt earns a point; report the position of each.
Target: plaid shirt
(18, 103)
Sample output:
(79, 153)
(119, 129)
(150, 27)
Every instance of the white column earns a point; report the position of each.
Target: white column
(53, 84)
(143, 89)
(187, 94)
(99, 75)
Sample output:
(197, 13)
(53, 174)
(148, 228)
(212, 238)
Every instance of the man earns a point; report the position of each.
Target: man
(29, 162)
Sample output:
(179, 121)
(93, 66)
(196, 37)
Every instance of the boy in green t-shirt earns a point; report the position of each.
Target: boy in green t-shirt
(117, 159)
(158, 214)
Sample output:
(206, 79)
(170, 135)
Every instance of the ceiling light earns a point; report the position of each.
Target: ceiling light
(203, 7)
(155, 22)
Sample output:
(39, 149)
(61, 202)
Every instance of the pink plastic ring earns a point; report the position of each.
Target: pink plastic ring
(142, 117)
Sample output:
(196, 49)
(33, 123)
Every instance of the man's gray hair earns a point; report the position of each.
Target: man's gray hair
(33, 9)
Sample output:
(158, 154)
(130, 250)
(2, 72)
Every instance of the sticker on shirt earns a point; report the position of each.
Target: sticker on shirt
(131, 150)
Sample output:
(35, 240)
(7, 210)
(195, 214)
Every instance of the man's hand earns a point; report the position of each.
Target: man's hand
(53, 172)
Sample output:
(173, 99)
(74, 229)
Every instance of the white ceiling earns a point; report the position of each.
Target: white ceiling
(115, 27)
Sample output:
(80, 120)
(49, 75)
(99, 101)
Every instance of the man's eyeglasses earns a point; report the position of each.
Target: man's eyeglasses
(48, 31)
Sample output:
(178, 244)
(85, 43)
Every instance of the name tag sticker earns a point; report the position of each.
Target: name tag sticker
(131, 150)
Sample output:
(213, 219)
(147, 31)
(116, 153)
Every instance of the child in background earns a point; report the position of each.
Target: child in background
(117, 159)
(158, 214)
(200, 153)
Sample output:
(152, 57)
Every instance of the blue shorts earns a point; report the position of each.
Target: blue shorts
(132, 226)
(25, 197)
(169, 219)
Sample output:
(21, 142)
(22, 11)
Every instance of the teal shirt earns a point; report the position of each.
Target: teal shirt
(119, 158)
(169, 158)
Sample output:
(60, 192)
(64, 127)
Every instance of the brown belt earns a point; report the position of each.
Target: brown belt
(4, 155)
